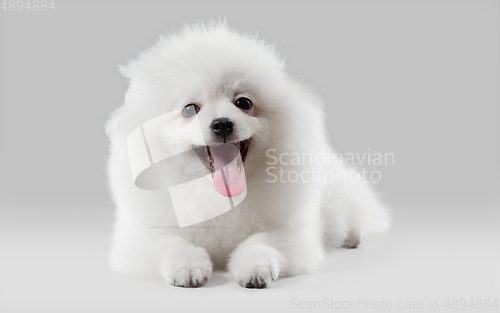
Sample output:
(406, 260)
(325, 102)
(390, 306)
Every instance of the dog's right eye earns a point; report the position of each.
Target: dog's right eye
(190, 110)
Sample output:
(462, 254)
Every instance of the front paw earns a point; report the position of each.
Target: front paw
(255, 266)
(186, 267)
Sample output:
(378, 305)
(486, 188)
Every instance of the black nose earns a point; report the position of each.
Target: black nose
(222, 127)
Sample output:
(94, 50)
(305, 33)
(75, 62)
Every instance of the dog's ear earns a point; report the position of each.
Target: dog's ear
(125, 70)
(113, 122)
(122, 69)
(130, 68)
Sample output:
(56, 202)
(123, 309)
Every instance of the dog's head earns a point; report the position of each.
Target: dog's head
(231, 89)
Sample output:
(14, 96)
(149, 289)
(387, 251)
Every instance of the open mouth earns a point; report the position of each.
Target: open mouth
(203, 152)
(225, 165)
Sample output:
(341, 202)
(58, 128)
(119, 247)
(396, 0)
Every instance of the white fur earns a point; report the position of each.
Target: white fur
(280, 229)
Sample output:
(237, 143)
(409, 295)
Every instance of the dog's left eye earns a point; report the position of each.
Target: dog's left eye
(243, 103)
(190, 110)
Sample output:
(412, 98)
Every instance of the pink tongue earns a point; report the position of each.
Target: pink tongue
(227, 180)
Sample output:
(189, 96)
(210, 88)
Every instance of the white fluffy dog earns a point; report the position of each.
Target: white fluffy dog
(238, 89)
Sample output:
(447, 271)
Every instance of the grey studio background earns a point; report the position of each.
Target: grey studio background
(419, 79)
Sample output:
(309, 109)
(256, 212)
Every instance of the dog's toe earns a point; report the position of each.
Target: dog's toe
(352, 241)
(194, 278)
(256, 282)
